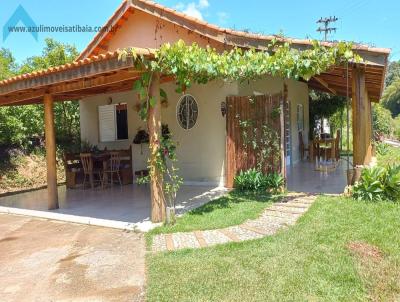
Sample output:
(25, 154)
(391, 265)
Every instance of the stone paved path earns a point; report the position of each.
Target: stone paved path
(280, 215)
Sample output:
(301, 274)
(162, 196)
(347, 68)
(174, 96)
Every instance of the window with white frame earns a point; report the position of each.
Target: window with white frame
(113, 122)
(187, 112)
(300, 117)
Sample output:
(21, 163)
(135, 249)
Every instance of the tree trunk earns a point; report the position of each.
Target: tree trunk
(154, 127)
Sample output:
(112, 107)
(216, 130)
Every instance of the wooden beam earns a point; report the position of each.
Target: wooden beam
(50, 152)
(325, 84)
(156, 178)
(80, 85)
(361, 110)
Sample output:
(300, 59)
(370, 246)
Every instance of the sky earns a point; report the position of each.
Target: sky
(373, 22)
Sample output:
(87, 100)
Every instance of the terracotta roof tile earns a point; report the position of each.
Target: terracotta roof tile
(152, 7)
(86, 61)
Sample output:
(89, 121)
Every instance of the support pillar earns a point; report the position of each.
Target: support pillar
(50, 152)
(362, 123)
(154, 127)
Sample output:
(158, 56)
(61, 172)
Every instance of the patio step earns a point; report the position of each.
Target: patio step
(279, 216)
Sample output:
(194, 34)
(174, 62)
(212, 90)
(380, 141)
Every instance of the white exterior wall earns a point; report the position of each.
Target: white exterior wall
(201, 150)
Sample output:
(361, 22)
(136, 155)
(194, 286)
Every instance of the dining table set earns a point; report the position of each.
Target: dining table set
(324, 151)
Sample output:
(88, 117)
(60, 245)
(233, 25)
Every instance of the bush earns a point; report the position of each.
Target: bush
(382, 148)
(275, 182)
(397, 127)
(378, 183)
(250, 180)
(382, 121)
(256, 181)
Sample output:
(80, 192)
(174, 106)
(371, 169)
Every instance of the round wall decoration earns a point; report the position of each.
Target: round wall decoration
(187, 111)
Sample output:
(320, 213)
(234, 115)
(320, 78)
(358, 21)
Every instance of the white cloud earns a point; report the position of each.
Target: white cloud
(180, 6)
(203, 4)
(193, 9)
(222, 17)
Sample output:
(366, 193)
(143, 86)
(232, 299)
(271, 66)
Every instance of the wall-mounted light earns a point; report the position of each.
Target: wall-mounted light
(223, 109)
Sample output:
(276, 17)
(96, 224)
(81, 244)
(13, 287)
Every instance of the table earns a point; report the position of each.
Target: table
(102, 159)
(329, 153)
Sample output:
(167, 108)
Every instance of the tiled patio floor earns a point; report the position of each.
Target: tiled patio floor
(130, 203)
(302, 177)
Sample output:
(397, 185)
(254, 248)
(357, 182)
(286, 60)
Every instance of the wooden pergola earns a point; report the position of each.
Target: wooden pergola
(100, 74)
(105, 73)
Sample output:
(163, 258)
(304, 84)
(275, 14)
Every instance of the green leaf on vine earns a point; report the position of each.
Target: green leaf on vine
(153, 101)
(137, 85)
(163, 94)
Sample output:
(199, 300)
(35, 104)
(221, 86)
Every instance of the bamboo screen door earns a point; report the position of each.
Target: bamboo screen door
(261, 110)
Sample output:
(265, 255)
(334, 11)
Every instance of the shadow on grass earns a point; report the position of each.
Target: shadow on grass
(227, 201)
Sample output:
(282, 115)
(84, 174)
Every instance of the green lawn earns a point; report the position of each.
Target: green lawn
(340, 250)
(392, 156)
(231, 209)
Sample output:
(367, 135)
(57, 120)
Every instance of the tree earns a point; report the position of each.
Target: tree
(19, 124)
(391, 97)
(393, 73)
(7, 64)
(66, 113)
(382, 121)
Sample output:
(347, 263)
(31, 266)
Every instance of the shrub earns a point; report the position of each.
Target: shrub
(254, 180)
(397, 127)
(382, 148)
(250, 180)
(378, 183)
(382, 121)
(275, 182)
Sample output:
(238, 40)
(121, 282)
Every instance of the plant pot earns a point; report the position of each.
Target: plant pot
(170, 215)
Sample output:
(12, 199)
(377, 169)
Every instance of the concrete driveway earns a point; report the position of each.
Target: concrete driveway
(43, 260)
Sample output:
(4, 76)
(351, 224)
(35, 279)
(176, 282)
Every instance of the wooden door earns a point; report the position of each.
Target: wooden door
(255, 111)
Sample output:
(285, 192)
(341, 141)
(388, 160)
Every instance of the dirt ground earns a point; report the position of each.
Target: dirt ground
(43, 260)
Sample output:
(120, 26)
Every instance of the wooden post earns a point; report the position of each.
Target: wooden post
(361, 107)
(282, 130)
(154, 127)
(50, 152)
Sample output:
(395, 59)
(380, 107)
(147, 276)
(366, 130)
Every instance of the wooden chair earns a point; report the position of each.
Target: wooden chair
(90, 171)
(114, 165)
(303, 148)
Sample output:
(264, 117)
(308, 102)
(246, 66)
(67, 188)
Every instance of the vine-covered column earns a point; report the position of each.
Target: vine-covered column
(154, 127)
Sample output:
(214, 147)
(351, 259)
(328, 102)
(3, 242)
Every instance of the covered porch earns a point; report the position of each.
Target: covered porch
(303, 177)
(125, 207)
(106, 73)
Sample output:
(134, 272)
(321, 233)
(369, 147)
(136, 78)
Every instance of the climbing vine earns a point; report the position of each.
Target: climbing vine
(193, 64)
(190, 64)
(261, 139)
